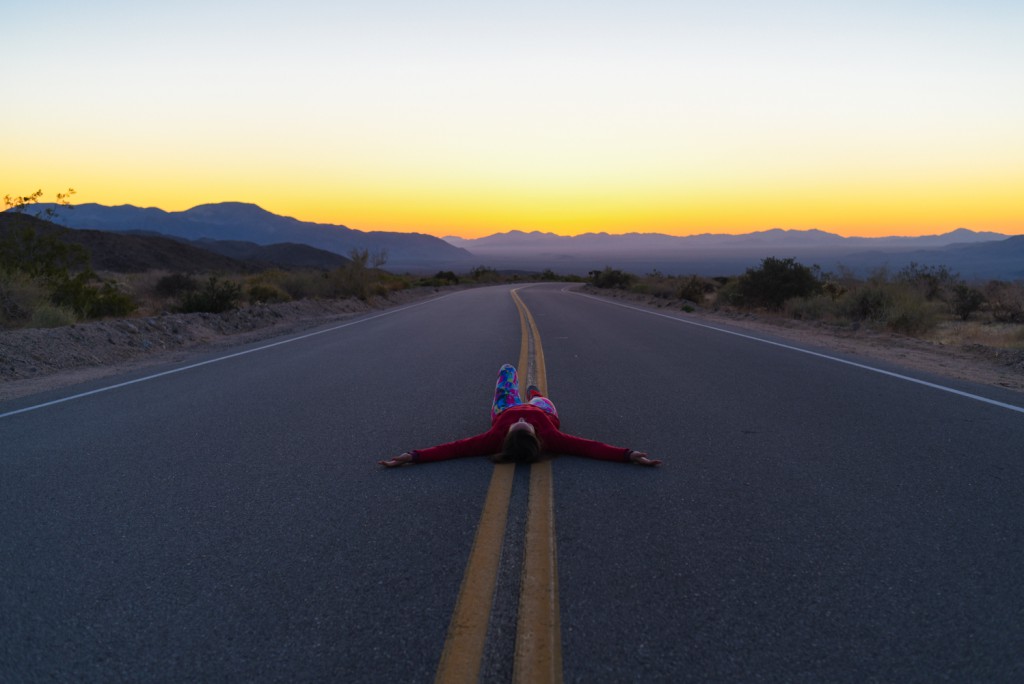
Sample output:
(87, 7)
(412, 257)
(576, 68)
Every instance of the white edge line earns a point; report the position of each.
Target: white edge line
(943, 388)
(216, 360)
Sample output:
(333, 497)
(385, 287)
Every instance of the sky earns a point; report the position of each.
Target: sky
(897, 117)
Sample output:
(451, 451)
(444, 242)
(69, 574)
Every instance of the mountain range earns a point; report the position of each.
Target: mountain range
(238, 221)
(141, 252)
(974, 255)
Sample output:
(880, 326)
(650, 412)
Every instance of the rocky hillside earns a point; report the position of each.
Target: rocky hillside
(245, 222)
(137, 253)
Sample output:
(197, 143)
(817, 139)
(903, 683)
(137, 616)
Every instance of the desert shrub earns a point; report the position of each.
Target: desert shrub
(349, 281)
(381, 288)
(483, 274)
(175, 285)
(816, 308)
(439, 279)
(20, 295)
(909, 312)
(88, 301)
(109, 300)
(775, 281)
(215, 296)
(447, 277)
(865, 303)
(1006, 301)
(833, 289)
(898, 305)
(694, 289)
(394, 283)
(267, 293)
(611, 278)
(60, 269)
(934, 282)
(549, 276)
(651, 289)
(304, 284)
(965, 301)
(654, 284)
(358, 278)
(41, 256)
(729, 294)
(51, 316)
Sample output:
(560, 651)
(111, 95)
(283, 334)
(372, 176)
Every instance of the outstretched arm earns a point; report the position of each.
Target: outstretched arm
(401, 459)
(560, 442)
(643, 459)
(480, 445)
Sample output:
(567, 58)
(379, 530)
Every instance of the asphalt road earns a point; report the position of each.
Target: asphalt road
(814, 521)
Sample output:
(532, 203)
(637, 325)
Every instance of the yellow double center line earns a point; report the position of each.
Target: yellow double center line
(538, 649)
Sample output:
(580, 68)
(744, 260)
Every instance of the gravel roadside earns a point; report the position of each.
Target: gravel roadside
(40, 359)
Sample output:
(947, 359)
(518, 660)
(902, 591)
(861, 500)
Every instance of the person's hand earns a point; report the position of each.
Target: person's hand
(641, 458)
(401, 459)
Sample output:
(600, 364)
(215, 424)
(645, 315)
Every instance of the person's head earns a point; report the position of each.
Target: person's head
(521, 444)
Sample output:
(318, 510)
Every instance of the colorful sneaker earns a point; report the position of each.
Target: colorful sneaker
(533, 391)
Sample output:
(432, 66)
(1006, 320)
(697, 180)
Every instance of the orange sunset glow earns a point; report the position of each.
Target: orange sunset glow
(864, 120)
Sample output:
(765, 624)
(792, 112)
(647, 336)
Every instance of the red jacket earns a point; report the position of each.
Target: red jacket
(552, 439)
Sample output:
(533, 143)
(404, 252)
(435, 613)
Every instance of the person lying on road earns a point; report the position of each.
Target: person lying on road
(520, 433)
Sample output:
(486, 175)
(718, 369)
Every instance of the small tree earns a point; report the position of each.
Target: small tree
(694, 288)
(41, 256)
(775, 281)
(216, 296)
(20, 204)
(966, 300)
(484, 274)
(442, 277)
(1006, 301)
(611, 278)
(60, 269)
(934, 282)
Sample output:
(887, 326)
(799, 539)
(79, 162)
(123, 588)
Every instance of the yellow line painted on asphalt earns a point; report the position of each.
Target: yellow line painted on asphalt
(464, 646)
(540, 370)
(538, 654)
(467, 631)
(538, 658)
(538, 648)
(524, 338)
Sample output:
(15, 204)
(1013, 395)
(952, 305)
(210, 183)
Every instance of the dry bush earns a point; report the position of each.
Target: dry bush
(20, 295)
(47, 315)
(695, 289)
(988, 334)
(910, 312)
(299, 284)
(692, 288)
(817, 308)
(1005, 301)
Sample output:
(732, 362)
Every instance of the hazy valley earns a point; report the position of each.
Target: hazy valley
(975, 255)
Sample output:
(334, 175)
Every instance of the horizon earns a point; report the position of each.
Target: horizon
(896, 119)
(72, 206)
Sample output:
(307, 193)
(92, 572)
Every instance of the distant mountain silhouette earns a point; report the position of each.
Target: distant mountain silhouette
(237, 221)
(997, 259)
(775, 237)
(138, 252)
(973, 254)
